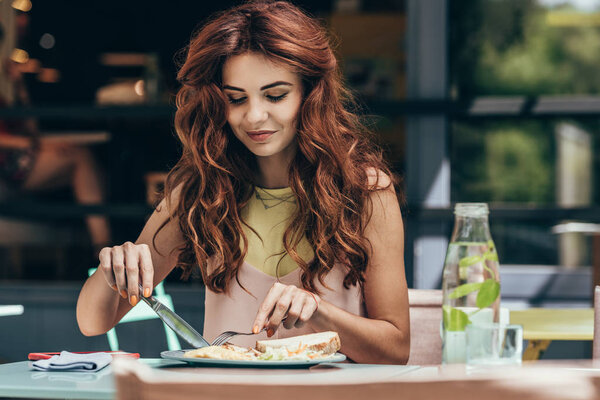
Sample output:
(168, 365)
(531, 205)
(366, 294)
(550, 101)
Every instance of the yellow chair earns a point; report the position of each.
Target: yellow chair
(142, 312)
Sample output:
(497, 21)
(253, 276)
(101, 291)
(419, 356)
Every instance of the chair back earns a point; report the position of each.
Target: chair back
(425, 321)
(142, 312)
(596, 345)
(134, 379)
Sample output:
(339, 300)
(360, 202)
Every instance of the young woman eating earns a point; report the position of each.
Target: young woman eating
(279, 198)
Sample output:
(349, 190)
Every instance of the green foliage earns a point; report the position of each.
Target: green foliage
(516, 166)
(513, 50)
(491, 254)
(465, 289)
(455, 319)
(500, 161)
(468, 261)
(488, 293)
(508, 47)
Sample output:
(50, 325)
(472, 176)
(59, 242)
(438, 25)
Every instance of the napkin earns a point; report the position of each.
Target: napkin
(73, 376)
(89, 362)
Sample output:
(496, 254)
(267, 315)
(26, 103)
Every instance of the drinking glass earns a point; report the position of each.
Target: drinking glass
(490, 344)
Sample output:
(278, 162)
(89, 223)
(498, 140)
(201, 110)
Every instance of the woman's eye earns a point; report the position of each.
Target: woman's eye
(275, 99)
(237, 101)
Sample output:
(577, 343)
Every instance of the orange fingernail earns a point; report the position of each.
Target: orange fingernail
(123, 294)
(147, 292)
(133, 300)
(255, 329)
(270, 332)
(114, 287)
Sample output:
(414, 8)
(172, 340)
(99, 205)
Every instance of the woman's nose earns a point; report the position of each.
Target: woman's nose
(256, 112)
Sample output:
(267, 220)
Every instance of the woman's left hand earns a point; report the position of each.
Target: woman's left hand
(285, 301)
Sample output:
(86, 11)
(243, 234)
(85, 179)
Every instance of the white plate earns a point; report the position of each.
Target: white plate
(209, 362)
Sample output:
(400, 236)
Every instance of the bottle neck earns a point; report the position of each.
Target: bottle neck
(471, 229)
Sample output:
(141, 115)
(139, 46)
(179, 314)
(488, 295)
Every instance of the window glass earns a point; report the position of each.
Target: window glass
(539, 51)
(525, 47)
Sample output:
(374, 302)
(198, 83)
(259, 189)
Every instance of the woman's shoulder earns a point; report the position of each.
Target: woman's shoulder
(377, 179)
(170, 200)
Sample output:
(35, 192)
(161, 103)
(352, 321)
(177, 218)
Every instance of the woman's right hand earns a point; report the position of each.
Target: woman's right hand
(127, 266)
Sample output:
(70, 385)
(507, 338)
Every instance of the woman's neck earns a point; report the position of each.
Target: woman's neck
(273, 172)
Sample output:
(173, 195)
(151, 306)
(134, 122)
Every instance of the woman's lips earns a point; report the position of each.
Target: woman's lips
(260, 136)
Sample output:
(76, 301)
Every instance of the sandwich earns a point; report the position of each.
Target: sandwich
(304, 347)
(313, 346)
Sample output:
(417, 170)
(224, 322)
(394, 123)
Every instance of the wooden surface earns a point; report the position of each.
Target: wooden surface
(537, 381)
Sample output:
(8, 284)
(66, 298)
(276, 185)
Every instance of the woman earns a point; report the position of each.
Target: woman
(278, 197)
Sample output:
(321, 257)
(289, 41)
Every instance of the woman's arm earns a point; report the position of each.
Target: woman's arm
(383, 337)
(112, 290)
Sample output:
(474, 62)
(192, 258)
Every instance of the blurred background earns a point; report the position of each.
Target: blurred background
(491, 101)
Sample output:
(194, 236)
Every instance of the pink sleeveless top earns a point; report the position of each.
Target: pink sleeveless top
(237, 309)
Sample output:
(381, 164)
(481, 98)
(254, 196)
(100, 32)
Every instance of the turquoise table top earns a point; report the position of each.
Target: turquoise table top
(19, 380)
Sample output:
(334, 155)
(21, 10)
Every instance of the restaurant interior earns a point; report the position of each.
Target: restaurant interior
(473, 101)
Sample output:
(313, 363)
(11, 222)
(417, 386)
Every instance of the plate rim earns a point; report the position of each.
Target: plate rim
(338, 357)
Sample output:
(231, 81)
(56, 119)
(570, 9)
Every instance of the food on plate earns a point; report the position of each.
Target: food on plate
(314, 345)
(298, 348)
(223, 352)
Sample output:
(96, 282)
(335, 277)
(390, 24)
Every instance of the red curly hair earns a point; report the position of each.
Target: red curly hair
(328, 174)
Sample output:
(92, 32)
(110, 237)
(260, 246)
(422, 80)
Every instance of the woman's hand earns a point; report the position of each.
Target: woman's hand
(127, 266)
(295, 304)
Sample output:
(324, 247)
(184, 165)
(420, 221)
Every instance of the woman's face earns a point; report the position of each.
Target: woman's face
(264, 100)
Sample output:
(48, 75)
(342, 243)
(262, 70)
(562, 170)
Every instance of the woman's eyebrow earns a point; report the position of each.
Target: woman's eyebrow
(278, 83)
(270, 85)
(233, 88)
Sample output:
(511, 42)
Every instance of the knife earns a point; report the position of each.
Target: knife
(175, 322)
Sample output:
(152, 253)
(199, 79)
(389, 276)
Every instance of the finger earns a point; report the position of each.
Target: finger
(300, 322)
(118, 267)
(106, 268)
(266, 307)
(147, 270)
(310, 306)
(280, 310)
(295, 309)
(132, 262)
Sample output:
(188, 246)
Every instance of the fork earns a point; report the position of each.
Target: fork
(225, 336)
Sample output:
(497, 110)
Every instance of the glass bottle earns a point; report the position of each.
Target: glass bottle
(471, 280)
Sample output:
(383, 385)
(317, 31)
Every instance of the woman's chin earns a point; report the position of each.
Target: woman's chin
(263, 150)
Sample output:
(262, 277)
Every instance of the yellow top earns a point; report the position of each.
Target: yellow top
(555, 324)
(269, 213)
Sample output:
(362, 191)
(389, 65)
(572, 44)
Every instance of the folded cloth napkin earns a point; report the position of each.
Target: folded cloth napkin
(89, 362)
